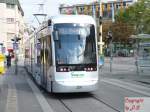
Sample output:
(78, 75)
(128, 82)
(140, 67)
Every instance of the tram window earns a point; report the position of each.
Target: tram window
(38, 55)
(42, 55)
(46, 56)
(42, 52)
(49, 51)
(38, 60)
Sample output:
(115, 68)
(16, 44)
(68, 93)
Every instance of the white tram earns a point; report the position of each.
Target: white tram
(62, 54)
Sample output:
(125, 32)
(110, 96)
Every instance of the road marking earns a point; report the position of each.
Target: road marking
(130, 86)
(11, 99)
(42, 101)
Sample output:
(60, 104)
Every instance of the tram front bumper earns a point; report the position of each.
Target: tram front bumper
(71, 87)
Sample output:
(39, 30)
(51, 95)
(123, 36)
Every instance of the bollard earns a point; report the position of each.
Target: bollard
(2, 66)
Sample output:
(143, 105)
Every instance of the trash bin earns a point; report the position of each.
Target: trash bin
(2, 67)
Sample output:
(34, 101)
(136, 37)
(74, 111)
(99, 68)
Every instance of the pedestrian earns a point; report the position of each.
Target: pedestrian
(8, 57)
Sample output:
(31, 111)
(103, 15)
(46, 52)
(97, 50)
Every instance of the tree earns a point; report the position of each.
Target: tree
(121, 31)
(137, 15)
(133, 20)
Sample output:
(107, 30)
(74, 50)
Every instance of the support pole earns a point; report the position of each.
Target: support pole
(16, 57)
(100, 29)
(111, 56)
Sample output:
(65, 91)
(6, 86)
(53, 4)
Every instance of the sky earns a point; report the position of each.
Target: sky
(31, 7)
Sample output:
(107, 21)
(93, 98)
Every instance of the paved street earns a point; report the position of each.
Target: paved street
(124, 69)
(18, 93)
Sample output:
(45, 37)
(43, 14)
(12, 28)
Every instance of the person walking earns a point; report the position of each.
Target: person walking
(8, 57)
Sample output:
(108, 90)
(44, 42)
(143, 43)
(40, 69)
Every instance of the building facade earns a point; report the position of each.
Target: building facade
(94, 8)
(11, 24)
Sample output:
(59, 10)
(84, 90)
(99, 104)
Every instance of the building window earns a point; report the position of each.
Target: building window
(10, 36)
(10, 20)
(10, 6)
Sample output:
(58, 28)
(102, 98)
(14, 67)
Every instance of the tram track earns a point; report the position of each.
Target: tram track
(103, 104)
(95, 98)
(61, 101)
(62, 97)
(108, 105)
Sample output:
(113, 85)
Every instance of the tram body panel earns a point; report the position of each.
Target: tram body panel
(75, 81)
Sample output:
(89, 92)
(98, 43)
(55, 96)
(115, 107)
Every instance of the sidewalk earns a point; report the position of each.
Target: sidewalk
(124, 69)
(15, 93)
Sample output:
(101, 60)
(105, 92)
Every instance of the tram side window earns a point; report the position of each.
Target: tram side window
(49, 50)
(38, 46)
(45, 52)
(90, 49)
(42, 56)
(38, 58)
(42, 52)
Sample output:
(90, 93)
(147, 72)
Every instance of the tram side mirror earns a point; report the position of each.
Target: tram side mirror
(56, 35)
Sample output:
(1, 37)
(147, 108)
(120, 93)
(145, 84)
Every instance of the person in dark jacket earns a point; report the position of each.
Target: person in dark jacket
(8, 60)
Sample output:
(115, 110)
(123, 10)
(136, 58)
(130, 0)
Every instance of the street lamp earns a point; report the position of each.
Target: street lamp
(100, 28)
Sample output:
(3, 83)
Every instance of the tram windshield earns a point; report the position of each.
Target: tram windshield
(76, 44)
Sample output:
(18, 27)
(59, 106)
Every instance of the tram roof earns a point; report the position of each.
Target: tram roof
(85, 19)
(79, 19)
